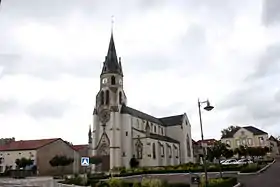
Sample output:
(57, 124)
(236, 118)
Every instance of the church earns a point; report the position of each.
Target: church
(120, 132)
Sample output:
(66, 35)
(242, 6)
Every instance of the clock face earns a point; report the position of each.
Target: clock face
(120, 82)
(104, 81)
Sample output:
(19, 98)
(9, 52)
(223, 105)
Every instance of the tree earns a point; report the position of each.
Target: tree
(95, 160)
(228, 153)
(134, 163)
(61, 161)
(219, 150)
(23, 162)
(229, 130)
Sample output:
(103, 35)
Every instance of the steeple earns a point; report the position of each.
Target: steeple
(89, 135)
(111, 64)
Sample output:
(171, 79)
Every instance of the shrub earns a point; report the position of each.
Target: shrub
(114, 182)
(151, 183)
(251, 168)
(221, 182)
(75, 180)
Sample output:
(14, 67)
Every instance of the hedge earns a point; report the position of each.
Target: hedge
(222, 182)
(161, 170)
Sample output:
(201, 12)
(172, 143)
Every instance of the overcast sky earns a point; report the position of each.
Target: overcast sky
(173, 52)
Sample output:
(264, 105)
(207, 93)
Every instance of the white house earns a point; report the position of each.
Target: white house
(120, 132)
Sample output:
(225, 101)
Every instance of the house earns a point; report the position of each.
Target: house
(247, 136)
(41, 152)
(198, 148)
(121, 132)
(274, 145)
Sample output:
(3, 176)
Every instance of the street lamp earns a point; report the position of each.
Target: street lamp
(208, 107)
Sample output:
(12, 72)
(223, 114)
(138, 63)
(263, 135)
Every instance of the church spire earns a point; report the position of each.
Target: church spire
(111, 64)
(89, 135)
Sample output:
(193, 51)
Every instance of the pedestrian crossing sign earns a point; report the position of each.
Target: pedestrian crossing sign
(85, 161)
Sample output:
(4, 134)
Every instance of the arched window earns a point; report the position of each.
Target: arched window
(120, 97)
(188, 147)
(107, 97)
(154, 151)
(147, 127)
(113, 80)
(102, 97)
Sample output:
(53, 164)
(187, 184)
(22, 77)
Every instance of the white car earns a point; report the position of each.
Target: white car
(229, 162)
(244, 161)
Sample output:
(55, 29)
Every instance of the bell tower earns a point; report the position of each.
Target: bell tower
(111, 94)
(106, 115)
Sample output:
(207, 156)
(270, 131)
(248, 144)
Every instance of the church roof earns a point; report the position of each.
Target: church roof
(165, 121)
(111, 64)
(158, 136)
(172, 120)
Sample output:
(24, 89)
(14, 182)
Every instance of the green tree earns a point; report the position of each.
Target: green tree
(230, 129)
(61, 161)
(95, 160)
(23, 162)
(219, 150)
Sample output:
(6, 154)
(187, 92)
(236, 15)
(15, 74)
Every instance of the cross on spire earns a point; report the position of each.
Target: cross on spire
(112, 23)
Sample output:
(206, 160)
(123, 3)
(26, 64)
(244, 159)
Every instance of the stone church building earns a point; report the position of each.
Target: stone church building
(120, 132)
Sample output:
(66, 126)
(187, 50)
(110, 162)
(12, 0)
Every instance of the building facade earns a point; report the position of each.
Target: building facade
(274, 146)
(246, 136)
(120, 132)
(40, 152)
(199, 146)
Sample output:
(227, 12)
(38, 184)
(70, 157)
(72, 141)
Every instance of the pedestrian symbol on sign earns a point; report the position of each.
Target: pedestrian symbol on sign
(85, 161)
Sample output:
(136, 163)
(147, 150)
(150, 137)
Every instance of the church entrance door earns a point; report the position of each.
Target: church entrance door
(103, 151)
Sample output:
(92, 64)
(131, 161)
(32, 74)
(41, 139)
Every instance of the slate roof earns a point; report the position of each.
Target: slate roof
(158, 137)
(252, 129)
(166, 121)
(172, 120)
(111, 64)
(27, 144)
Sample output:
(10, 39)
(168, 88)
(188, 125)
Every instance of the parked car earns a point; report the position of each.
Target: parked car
(229, 161)
(244, 161)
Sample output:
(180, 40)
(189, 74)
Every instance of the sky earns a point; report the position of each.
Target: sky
(173, 52)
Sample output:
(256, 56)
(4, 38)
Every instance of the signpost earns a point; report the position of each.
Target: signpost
(85, 161)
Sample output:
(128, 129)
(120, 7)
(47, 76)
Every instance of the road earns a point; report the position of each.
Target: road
(269, 178)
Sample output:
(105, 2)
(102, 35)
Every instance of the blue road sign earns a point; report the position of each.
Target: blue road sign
(85, 161)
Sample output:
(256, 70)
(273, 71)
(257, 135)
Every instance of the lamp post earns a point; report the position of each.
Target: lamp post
(208, 107)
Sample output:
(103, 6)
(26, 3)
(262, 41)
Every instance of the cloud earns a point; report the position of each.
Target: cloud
(173, 52)
(268, 64)
(271, 14)
(8, 105)
(48, 108)
(256, 100)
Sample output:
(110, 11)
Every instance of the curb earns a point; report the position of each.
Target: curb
(237, 185)
(260, 171)
(170, 174)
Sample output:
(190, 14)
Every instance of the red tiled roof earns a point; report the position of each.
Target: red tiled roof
(207, 141)
(26, 144)
(79, 147)
(194, 142)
